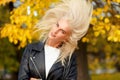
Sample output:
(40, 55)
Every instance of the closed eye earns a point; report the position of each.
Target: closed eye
(57, 24)
(63, 32)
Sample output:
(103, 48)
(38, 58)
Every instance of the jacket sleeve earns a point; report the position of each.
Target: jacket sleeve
(24, 70)
(71, 71)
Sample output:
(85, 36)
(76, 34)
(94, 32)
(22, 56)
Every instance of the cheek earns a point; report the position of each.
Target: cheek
(62, 37)
(52, 30)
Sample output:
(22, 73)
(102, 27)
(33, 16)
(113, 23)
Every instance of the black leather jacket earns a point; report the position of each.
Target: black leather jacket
(33, 65)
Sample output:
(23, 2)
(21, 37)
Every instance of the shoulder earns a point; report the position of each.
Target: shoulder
(73, 57)
(35, 46)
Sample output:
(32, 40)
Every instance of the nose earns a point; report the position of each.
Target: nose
(56, 31)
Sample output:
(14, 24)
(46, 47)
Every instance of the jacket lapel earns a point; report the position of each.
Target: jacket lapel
(56, 66)
(39, 58)
(40, 63)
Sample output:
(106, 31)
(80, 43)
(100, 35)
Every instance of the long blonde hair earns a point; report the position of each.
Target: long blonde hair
(77, 13)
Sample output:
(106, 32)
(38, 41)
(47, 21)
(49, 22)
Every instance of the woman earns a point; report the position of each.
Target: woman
(53, 58)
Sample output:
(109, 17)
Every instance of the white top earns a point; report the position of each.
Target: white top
(51, 55)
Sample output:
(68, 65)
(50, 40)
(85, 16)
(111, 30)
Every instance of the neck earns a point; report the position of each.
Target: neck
(53, 44)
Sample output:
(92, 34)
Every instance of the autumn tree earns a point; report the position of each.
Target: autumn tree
(104, 33)
(23, 19)
(103, 36)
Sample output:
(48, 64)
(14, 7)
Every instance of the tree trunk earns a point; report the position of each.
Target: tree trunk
(82, 62)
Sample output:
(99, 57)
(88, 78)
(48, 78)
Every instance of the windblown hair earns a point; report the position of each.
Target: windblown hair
(77, 13)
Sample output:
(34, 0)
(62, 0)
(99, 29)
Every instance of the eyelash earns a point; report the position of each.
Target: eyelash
(61, 30)
(57, 25)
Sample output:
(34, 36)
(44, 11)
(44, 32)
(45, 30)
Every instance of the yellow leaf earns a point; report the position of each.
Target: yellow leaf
(118, 1)
(11, 39)
(117, 16)
(101, 17)
(107, 27)
(109, 38)
(115, 39)
(93, 20)
(96, 34)
(84, 39)
(118, 32)
(102, 31)
(15, 41)
(106, 20)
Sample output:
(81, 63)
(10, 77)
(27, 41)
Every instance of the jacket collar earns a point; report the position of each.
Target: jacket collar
(38, 46)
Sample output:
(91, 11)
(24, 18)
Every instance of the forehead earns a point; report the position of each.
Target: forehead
(63, 24)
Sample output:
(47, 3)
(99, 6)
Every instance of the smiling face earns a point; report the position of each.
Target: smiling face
(60, 32)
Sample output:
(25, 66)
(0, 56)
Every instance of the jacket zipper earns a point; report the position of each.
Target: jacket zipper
(36, 68)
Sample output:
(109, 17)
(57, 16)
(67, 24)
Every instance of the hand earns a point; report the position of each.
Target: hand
(34, 79)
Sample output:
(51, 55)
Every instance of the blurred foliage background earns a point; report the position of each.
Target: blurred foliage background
(18, 17)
